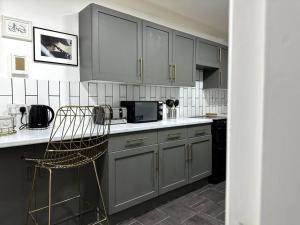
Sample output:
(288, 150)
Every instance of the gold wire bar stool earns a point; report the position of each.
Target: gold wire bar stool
(79, 137)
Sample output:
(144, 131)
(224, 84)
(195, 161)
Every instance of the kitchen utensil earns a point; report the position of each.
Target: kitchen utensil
(170, 103)
(176, 103)
(39, 116)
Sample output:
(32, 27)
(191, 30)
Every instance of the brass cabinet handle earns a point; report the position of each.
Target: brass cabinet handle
(141, 68)
(157, 160)
(174, 136)
(190, 152)
(136, 141)
(174, 72)
(200, 133)
(171, 72)
(187, 152)
(220, 55)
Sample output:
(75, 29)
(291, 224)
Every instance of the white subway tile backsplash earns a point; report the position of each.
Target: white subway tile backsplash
(43, 94)
(116, 95)
(194, 101)
(136, 93)
(123, 91)
(54, 87)
(4, 102)
(74, 89)
(129, 92)
(54, 102)
(108, 90)
(31, 87)
(74, 101)
(84, 93)
(93, 90)
(101, 93)
(93, 100)
(5, 86)
(64, 93)
(31, 100)
(18, 91)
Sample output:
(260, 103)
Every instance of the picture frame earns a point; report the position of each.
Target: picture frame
(19, 64)
(56, 47)
(16, 28)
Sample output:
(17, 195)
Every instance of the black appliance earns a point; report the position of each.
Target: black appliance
(219, 127)
(38, 117)
(143, 111)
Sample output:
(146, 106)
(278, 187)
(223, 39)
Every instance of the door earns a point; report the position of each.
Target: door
(207, 54)
(183, 59)
(157, 54)
(118, 40)
(224, 68)
(200, 158)
(173, 168)
(132, 177)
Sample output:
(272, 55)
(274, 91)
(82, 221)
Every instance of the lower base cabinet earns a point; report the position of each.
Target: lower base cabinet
(173, 167)
(133, 177)
(154, 163)
(200, 158)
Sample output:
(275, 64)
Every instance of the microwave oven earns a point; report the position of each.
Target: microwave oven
(143, 111)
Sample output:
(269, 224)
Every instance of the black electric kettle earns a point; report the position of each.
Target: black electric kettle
(38, 117)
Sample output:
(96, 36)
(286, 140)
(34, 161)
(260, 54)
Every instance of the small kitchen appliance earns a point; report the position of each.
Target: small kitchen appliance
(143, 111)
(39, 118)
(118, 115)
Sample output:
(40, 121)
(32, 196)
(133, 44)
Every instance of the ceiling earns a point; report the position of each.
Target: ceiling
(213, 13)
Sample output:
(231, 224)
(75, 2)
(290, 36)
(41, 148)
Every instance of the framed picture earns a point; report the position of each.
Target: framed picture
(16, 28)
(55, 47)
(19, 64)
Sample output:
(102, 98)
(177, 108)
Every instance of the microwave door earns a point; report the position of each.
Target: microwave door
(145, 111)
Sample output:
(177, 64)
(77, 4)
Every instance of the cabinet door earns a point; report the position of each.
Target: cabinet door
(207, 54)
(200, 158)
(157, 54)
(173, 168)
(117, 38)
(132, 177)
(224, 68)
(184, 59)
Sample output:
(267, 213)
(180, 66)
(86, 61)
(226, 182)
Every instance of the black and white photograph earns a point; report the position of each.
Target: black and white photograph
(55, 47)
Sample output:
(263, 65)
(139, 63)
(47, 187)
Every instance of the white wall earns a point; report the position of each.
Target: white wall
(263, 159)
(63, 16)
(281, 150)
(245, 107)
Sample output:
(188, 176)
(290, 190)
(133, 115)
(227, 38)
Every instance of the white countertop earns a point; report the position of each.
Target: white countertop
(28, 137)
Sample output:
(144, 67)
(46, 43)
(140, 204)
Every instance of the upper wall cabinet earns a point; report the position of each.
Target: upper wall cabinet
(207, 54)
(157, 54)
(168, 56)
(224, 68)
(184, 63)
(110, 45)
(118, 47)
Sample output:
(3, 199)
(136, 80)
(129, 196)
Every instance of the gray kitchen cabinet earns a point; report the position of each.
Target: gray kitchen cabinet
(200, 157)
(110, 45)
(173, 165)
(207, 54)
(217, 77)
(157, 54)
(224, 68)
(184, 62)
(133, 177)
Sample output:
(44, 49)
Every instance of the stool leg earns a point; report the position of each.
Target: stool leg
(49, 196)
(100, 192)
(31, 195)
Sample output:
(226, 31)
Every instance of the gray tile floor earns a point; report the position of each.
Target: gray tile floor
(205, 206)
